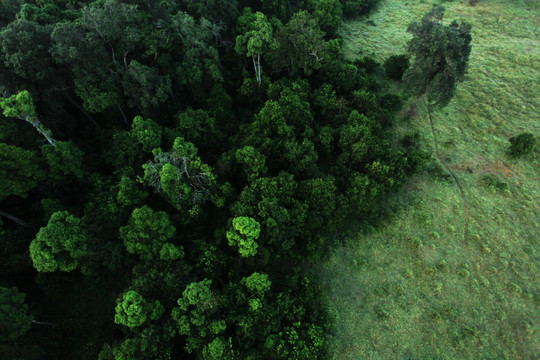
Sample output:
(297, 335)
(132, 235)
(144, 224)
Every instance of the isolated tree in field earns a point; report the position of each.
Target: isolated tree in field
(440, 55)
(257, 39)
(395, 66)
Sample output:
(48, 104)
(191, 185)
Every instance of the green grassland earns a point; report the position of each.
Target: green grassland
(416, 288)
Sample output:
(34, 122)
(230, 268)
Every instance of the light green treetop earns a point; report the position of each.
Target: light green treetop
(22, 107)
(60, 244)
(131, 310)
(244, 233)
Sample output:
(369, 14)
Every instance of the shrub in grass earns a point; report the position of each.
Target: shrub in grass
(442, 266)
(492, 181)
(522, 144)
(396, 65)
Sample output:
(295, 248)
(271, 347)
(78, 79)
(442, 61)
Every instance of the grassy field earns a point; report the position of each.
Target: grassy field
(415, 288)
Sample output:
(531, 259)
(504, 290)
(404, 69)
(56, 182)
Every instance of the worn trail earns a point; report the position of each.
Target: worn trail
(460, 187)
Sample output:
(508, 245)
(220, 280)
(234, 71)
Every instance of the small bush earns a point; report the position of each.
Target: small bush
(492, 181)
(522, 144)
(396, 65)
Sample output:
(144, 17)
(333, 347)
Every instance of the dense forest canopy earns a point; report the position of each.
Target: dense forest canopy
(170, 170)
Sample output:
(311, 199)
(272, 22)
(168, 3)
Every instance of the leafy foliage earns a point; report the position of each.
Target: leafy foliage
(301, 45)
(395, 66)
(249, 173)
(522, 144)
(20, 171)
(15, 320)
(147, 232)
(131, 310)
(147, 132)
(441, 53)
(257, 39)
(354, 8)
(244, 233)
(59, 245)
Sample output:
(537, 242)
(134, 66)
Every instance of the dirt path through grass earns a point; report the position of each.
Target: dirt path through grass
(461, 191)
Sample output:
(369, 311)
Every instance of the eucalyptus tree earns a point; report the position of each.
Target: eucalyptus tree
(256, 40)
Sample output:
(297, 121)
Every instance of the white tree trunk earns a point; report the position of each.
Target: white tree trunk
(40, 128)
(259, 69)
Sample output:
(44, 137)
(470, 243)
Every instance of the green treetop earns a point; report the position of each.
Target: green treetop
(22, 107)
(19, 171)
(147, 132)
(328, 14)
(59, 245)
(180, 175)
(440, 55)
(244, 233)
(257, 285)
(14, 318)
(301, 45)
(257, 39)
(198, 315)
(146, 232)
(131, 310)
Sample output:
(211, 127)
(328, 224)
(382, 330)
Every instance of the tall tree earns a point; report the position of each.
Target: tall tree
(328, 14)
(256, 40)
(25, 49)
(440, 55)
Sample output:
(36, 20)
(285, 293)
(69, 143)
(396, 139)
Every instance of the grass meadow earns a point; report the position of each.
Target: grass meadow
(415, 288)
